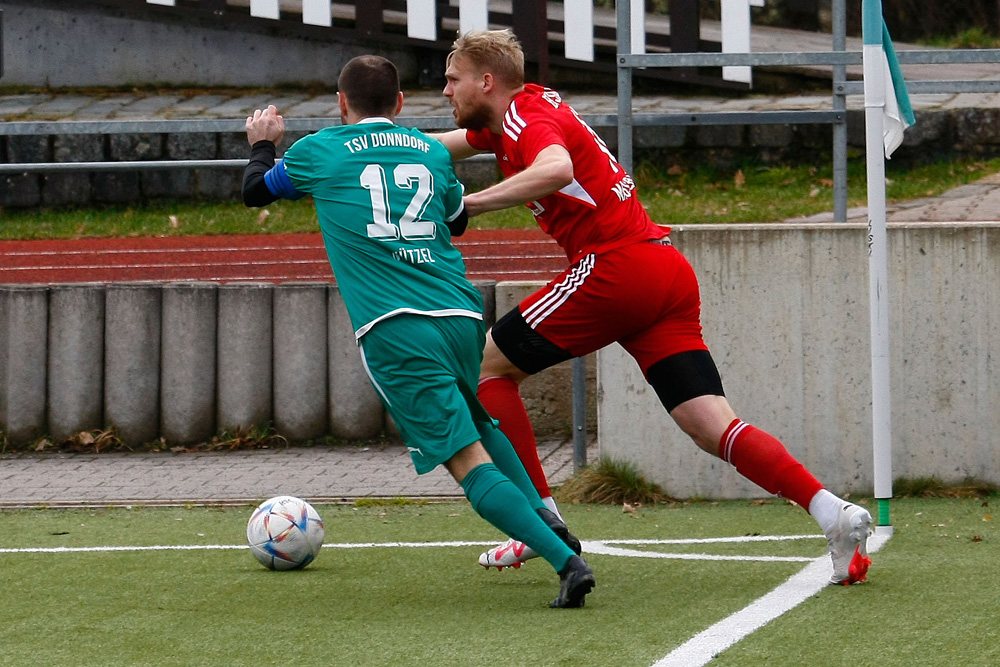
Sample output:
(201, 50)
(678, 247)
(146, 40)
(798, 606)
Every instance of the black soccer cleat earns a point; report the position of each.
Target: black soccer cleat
(558, 526)
(575, 581)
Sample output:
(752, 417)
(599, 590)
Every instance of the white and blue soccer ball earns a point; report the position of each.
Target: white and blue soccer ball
(285, 533)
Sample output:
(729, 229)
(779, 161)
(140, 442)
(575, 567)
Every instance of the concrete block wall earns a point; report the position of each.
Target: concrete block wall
(786, 314)
(24, 320)
(85, 188)
(188, 341)
(183, 361)
(76, 359)
(299, 381)
(132, 317)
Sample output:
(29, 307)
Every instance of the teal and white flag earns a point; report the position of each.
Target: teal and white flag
(897, 113)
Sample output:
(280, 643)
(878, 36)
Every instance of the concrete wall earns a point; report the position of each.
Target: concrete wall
(183, 361)
(785, 311)
(46, 45)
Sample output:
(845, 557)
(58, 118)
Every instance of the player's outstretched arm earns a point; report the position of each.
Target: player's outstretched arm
(457, 144)
(551, 171)
(263, 180)
(265, 129)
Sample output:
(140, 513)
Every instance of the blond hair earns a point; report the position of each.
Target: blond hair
(495, 51)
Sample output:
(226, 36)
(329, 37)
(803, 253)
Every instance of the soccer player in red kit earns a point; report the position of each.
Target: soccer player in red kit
(626, 283)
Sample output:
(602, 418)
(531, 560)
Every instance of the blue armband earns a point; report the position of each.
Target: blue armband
(280, 184)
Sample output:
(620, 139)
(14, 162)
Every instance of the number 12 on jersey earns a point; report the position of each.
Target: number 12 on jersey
(414, 177)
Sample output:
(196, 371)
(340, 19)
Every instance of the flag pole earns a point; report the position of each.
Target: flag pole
(875, 100)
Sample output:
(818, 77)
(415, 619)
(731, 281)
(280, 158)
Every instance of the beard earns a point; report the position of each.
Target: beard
(475, 119)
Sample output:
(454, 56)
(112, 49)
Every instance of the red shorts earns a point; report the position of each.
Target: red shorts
(644, 296)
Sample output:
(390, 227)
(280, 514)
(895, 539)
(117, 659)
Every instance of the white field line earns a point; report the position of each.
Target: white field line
(603, 547)
(598, 548)
(703, 647)
(595, 547)
(223, 547)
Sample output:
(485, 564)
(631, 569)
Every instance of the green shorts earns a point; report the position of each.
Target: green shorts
(426, 371)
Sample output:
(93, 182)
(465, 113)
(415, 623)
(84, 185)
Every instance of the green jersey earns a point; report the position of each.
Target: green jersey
(384, 195)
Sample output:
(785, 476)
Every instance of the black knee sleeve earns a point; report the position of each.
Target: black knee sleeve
(523, 346)
(684, 376)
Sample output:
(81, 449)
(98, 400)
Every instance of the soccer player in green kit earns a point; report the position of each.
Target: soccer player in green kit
(388, 203)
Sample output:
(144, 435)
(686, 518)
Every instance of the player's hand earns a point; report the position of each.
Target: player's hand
(265, 124)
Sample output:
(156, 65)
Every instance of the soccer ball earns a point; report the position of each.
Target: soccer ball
(285, 533)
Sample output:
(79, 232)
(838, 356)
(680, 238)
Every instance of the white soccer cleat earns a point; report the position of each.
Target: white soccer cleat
(509, 554)
(848, 545)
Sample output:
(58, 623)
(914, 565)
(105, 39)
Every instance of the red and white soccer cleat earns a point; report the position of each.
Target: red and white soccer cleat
(848, 545)
(509, 554)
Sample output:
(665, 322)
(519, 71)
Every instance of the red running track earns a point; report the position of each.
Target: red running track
(489, 255)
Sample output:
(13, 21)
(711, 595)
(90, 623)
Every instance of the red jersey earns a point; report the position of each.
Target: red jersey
(599, 210)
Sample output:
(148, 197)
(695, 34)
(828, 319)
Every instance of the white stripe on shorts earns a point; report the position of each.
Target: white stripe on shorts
(368, 371)
(560, 292)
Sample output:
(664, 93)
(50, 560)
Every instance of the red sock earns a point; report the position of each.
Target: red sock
(761, 458)
(500, 397)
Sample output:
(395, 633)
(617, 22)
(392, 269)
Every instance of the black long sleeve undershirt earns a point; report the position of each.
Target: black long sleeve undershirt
(255, 190)
(459, 224)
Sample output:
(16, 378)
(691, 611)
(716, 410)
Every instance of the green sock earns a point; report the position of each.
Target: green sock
(496, 499)
(502, 452)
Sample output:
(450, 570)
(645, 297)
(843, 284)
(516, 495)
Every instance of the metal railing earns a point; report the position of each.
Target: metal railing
(164, 126)
(838, 58)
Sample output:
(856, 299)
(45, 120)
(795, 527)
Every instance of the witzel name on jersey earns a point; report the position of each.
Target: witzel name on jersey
(414, 255)
(380, 139)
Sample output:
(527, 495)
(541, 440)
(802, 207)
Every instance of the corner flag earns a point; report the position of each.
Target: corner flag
(887, 114)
